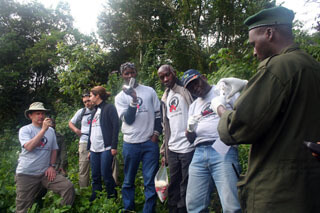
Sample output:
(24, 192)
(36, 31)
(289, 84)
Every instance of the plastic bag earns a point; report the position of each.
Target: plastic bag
(161, 183)
(115, 170)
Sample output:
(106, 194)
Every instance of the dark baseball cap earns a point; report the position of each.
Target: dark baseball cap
(189, 76)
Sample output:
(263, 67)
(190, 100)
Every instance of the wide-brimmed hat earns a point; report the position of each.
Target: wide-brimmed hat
(36, 106)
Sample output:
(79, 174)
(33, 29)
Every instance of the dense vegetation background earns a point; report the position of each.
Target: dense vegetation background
(44, 58)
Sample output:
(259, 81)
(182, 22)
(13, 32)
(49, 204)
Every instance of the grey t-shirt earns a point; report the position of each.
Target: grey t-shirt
(37, 161)
(148, 108)
(177, 113)
(85, 123)
(206, 129)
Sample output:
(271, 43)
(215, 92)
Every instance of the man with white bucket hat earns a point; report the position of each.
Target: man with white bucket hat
(36, 163)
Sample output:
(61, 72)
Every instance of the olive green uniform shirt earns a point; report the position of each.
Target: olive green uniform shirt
(276, 112)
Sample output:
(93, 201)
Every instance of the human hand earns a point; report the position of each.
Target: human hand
(47, 122)
(88, 156)
(236, 84)
(154, 138)
(113, 152)
(78, 132)
(163, 161)
(130, 91)
(191, 136)
(50, 173)
(216, 102)
(193, 120)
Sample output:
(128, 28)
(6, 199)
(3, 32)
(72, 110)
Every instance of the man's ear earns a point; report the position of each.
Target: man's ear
(270, 33)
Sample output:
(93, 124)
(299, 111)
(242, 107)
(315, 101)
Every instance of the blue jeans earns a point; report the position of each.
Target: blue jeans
(101, 165)
(148, 153)
(208, 166)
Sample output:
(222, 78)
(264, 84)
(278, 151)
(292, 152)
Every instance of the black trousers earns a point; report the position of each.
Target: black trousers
(178, 167)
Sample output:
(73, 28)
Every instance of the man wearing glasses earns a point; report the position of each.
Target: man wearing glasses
(82, 116)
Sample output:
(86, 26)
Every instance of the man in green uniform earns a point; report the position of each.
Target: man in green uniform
(277, 111)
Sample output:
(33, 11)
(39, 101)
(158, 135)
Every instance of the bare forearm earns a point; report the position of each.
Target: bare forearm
(51, 171)
(74, 128)
(53, 156)
(34, 142)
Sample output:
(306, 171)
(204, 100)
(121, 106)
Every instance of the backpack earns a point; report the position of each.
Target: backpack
(83, 113)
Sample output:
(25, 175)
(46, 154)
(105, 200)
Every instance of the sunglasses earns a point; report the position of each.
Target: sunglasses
(87, 101)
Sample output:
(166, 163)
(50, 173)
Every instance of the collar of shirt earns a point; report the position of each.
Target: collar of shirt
(99, 105)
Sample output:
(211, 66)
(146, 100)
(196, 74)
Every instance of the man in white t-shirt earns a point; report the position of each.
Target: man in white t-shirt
(176, 150)
(83, 117)
(139, 110)
(213, 161)
(36, 163)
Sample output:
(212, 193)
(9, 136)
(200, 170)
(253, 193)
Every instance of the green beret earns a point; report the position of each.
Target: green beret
(269, 17)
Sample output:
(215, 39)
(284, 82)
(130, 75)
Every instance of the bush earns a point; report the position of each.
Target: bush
(10, 148)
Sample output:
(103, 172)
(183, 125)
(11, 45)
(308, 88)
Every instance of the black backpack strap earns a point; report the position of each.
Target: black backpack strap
(81, 115)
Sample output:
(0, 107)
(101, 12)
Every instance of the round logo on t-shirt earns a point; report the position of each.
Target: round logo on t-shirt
(95, 119)
(88, 119)
(43, 141)
(173, 104)
(140, 102)
(206, 110)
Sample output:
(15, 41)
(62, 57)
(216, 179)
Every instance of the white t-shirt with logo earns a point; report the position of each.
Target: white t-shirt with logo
(177, 113)
(148, 103)
(207, 128)
(96, 137)
(85, 123)
(37, 161)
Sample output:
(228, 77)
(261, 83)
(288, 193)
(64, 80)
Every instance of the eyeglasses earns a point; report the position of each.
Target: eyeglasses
(87, 101)
(85, 95)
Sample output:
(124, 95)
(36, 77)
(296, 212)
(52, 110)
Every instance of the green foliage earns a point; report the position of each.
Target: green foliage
(9, 146)
(310, 43)
(184, 33)
(28, 36)
(243, 151)
(229, 63)
(44, 59)
(84, 66)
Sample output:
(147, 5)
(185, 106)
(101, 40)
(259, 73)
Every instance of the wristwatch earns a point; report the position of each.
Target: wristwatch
(52, 164)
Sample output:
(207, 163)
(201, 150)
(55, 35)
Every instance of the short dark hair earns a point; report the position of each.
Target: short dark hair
(166, 67)
(101, 91)
(86, 94)
(127, 65)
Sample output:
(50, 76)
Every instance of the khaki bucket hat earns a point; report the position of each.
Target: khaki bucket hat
(36, 106)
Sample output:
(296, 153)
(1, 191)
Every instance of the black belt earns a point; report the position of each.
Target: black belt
(206, 143)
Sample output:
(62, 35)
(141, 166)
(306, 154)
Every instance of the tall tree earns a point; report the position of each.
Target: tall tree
(85, 66)
(183, 32)
(28, 37)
